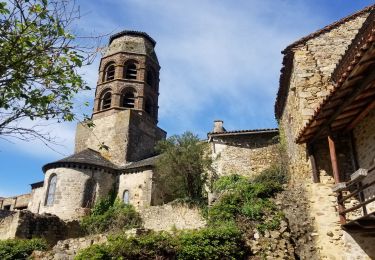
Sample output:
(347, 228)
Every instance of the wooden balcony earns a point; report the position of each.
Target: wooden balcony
(357, 189)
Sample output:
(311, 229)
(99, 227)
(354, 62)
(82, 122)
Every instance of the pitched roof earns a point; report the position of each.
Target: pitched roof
(244, 132)
(151, 161)
(287, 63)
(87, 157)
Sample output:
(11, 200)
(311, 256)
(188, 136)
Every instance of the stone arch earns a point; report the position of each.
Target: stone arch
(130, 69)
(128, 97)
(51, 190)
(109, 71)
(89, 193)
(105, 99)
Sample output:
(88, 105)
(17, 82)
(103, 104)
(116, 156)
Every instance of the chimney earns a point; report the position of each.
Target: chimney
(218, 126)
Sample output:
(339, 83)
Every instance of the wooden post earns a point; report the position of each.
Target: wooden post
(336, 176)
(315, 173)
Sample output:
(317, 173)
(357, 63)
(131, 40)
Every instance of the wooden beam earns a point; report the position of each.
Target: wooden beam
(352, 96)
(336, 176)
(315, 173)
(362, 115)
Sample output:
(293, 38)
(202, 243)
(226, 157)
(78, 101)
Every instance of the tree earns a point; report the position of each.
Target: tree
(182, 167)
(38, 64)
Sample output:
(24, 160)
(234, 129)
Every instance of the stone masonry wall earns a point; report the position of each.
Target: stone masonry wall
(68, 201)
(128, 136)
(168, 217)
(37, 199)
(313, 64)
(244, 155)
(139, 185)
(26, 225)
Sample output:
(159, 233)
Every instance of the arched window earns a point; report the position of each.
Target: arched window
(150, 78)
(130, 71)
(51, 190)
(149, 107)
(126, 197)
(89, 194)
(109, 72)
(128, 99)
(106, 100)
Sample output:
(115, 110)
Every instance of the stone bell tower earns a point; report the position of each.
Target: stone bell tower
(125, 110)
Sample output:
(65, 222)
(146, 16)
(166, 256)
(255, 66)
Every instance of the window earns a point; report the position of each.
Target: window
(106, 100)
(131, 71)
(128, 100)
(6, 207)
(89, 194)
(149, 107)
(125, 197)
(51, 190)
(110, 72)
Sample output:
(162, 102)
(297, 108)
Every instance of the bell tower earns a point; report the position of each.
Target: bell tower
(125, 110)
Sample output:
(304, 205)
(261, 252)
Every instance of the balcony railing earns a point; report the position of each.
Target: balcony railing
(357, 189)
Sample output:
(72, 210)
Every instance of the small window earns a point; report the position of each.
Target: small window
(150, 78)
(125, 197)
(131, 71)
(51, 190)
(110, 72)
(106, 100)
(6, 207)
(128, 100)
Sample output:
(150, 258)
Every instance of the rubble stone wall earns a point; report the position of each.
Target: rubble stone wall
(168, 217)
(244, 155)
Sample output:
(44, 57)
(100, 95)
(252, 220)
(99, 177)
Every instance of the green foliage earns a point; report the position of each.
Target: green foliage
(220, 242)
(111, 214)
(38, 63)
(20, 248)
(182, 168)
(248, 198)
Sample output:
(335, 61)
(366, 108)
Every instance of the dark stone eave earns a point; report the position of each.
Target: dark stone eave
(132, 33)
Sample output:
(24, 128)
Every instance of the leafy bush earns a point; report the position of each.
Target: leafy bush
(111, 215)
(20, 248)
(221, 242)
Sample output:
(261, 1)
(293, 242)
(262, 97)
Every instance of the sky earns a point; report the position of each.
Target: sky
(220, 59)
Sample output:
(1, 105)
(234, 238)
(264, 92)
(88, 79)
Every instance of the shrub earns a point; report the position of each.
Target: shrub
(20, 248)
(105, 217)
(221, 242)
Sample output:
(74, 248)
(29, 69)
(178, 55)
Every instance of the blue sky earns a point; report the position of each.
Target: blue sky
(219, 60)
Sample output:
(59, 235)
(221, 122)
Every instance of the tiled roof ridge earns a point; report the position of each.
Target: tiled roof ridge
(289, 54)
(246, 131)
(132, 33)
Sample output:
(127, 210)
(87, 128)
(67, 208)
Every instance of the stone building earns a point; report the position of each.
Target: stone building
(325, 108)
(243, 152)
(118, 152)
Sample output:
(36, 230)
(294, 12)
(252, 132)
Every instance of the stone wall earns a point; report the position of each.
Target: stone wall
(128, 136)
(168, 217)
(139, 185)
(69, 194)
(37, 199)
(310, 83)
(24, 224)
(246, 155)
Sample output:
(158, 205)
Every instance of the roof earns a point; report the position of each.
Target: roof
(36, 185)
(132, 33)
(87, 157)
(244, 132)
(354, 92)
(151, 161)
(287, 63)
